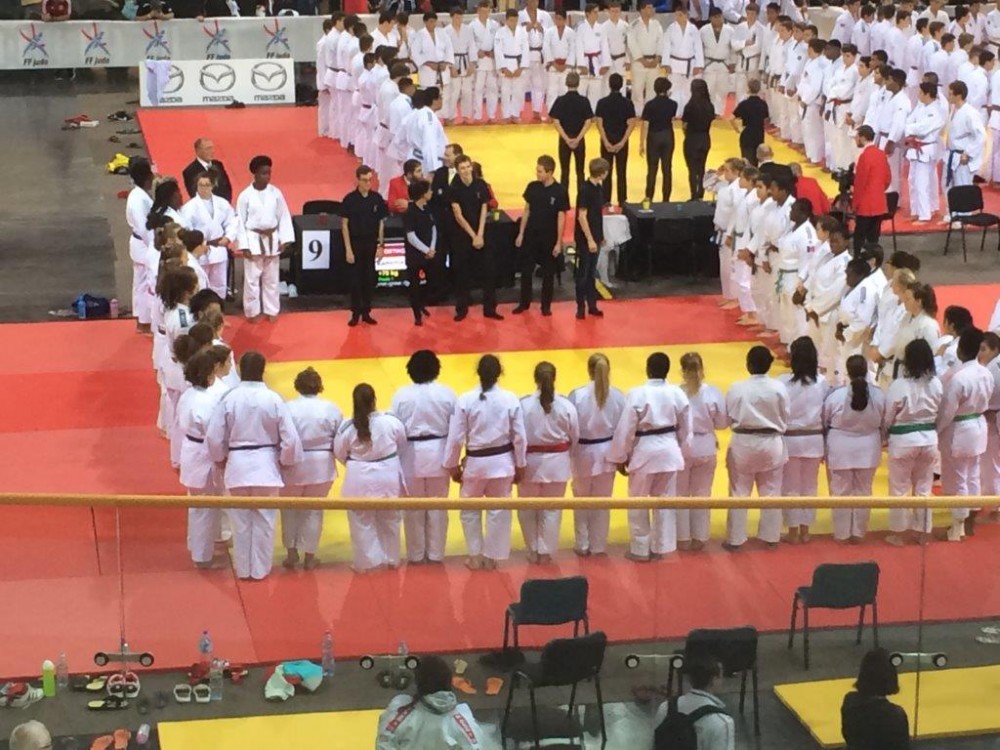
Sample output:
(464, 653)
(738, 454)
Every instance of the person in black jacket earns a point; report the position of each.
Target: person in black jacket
(205, 161)
(868, 720)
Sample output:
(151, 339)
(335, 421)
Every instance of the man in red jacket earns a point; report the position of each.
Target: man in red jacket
(399, 187)
(809, 188)
(871, 180)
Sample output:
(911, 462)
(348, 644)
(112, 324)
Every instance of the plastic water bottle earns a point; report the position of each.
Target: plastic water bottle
(114, 309)
(81, 308)
(62, 672)
(215, 679)
(403, 650)
(48, 678)
(142, 736)
(329, 666)
(205, 648)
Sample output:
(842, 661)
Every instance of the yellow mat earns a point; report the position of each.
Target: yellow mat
(953, 702)
(338, 730)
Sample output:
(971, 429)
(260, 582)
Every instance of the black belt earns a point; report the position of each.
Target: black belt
(755, 431)
(498, 450)
(534, 49)
(250, 447)
(424, 438)
(161, 331)
(618, 57)
(594, 441)
(803, 433)
(137, 237)
(327, 449)
(194, 439)
(656, 431)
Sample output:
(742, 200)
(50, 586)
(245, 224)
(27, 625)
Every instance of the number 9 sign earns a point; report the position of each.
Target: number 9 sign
(316, 250)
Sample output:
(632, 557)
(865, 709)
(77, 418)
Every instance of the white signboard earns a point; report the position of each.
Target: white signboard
(186, 83)
(315, 250)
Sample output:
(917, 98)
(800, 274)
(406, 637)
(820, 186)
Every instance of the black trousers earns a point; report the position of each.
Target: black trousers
(538, 252)
(420, 293)
(586, 272)
(748, 150)
(659, 155)
(619, 165)
(696, 146)
(362, 274)
(579, 154)
(462, 253)
(866, 229)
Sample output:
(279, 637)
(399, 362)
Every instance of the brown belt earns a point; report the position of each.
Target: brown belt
(555, 448)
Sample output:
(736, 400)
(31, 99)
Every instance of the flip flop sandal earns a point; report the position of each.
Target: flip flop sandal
(202, 694)
(197, 673)
(108, 703)
(87, 684)
(182, 693)
(122, 736)
(102, 743)
(236, 673)
(162, 699)
(460, 666)
(463, 685)
(134, 145)
(494, 685)
(128, 131)
(124, 684)
(114, 139)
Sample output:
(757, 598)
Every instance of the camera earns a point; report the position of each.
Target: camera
(844, 179)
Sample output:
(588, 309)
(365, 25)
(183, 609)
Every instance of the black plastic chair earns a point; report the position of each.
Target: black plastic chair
(892, 205)
(565, 662)
(734, 648)
(836, 586)
(321, 207)
(552, 601)
(965, 205)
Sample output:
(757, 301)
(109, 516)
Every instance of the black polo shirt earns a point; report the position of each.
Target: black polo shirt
(615, 111)
(544, 206)
(572, 110)
(660, 112)
(753, 112)
(421, 222)
(470, 200)
(363, 212)
(590, 197)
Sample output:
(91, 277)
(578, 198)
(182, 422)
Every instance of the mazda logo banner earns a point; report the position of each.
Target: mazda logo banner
(186, 83)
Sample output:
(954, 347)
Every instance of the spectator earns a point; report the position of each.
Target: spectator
(399, 197)
(868, 720)
(31, 735)
(205, 161)
(54, 11)
(154, 10)
(716, 730)
(809, 188)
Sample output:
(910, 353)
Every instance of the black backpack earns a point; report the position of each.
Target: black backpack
(676, 732)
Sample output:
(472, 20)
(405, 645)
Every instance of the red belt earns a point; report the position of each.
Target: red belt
(556, 448)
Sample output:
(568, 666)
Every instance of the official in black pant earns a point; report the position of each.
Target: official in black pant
(362, 222)
(421, 233)
(754, 114)
(697, 121)
(540, 236)
(657, 141)
(616, 120)
(571, 115)
(441, 179)
(589, 237)
(469, 200)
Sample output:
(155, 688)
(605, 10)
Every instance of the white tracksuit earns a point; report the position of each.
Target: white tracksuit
(436, 720)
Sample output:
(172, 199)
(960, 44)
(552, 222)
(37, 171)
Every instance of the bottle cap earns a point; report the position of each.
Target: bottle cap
(47, 664)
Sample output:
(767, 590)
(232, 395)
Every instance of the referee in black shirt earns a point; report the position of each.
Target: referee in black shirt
(657, 140)
(362, 222)
(540, 237)
(615, 121)
(421, 246)
(571, 114)
(469, 198)
(589, 237)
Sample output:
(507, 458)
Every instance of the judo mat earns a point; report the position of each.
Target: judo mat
(952, 703)
(336, 730)
(77, 414)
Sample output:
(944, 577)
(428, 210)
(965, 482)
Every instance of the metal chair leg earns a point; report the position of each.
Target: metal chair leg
(947, 239)
(791, 628)
(534, 717)
(506, 630)
(805, 632)
(861, 625)
(572, 699)
(756, 702)
(600, 708)
(506, 711)
(875, 621)
(965, 249)
(743, 690)
(893, 225)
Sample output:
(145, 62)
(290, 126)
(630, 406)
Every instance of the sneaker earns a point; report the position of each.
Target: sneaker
(283, 288)
(990, 630)
(988, 640)
(293, 291)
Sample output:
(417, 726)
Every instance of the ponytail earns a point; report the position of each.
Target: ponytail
(489, 372)
(545, 379)
(364, 405)
(693, 369)
(599, 369)
(857, 371)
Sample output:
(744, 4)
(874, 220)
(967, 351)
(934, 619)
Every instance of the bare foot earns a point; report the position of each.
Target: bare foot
(311, 563)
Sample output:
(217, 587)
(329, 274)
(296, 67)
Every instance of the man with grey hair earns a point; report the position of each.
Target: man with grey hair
(31, 735)
(768, 167)
(205, 161)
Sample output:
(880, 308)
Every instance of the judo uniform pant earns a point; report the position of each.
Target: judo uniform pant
(642, 84)
(989, 462)
(253, 534)
(459, 95)
(426, 530)
(850, 522)
(824, 336)
(652, 531)
(374, 538)
(592, 87)
(511, 96)
(911, 469)
(791, 319)
(812, 134)
(895, 168)
(762, 291)
(495, 544)
(742, 80)
(537, 83)
(800, 479)
(540, 528)
(745, 453)
(923, 185)
(140, 300)
(555, 85)
(680, 88)
(717, 76)
(486, 87)
(301, 529)
(963, 480)
(725, 268)
(260, 285)
(204, 525)
(793, 115)
(695, 480)
(323, 113)
(218, 277)
(742, 285)
(591, 526)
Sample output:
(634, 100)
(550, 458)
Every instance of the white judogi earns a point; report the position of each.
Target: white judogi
(922, 133)
(436, 720)
(372, 469)
(708, 414)
(215, 219)
(794, 248)
(593, 473)
(861, 37)
(843, 27)
(853, 453)
(486, 420)
(387, 93)
(137, 208)
(962, 432)
(993, 120)
(991, 30)
(804, 445)
(322, 92)
(463, 44)
(826, 287)
(748, 46)
(317, 421)
(682, 54)
(966, 135)
(198, 472)
(810, 93)
(424, 139)
(347, 48)
(761, 283)
(910, 410)
(397, 148)
(510, 50)
(617, 35)
(380, 39)
(840, 84)
(265, 224)
(856, 312)
(644, 43)
(425, 410)
(956, 60)
(776, 224)
(914, 63)
(776, 101)
(741, 230)
(890, 128)
(719, 56)
(486, 85)
(758, 412)
(330, 44)
(978, 83)
(912, 327)
(592, 54)
(253, 433)
(535, 76)
(989, 463)
(559, 57)
(795, 61)
(895, 47)
(176, 321)
(725, 208)
(550, 438)
(437, 49)
(649, 438)
(372, 84)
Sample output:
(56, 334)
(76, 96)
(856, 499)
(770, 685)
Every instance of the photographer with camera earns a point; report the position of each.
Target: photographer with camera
(872, 178)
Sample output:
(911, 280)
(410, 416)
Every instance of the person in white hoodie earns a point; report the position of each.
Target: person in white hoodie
(433, 718)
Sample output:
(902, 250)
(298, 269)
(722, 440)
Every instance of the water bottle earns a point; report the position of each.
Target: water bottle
(327, 650)
(215, 679)
(48, 678)
(403, 650)
(205, 648)
(81, 308)
(114, 309)
(62, 672)
(142, 736)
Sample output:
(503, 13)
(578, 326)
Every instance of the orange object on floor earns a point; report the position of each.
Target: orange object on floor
(102, 743)
(494, 685)
(462, 685)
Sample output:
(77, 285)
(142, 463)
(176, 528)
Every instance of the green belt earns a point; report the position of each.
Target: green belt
(906, 429)
(967, 417)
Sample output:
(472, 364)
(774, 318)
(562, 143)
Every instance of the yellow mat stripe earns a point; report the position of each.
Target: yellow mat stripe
(340, 730)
